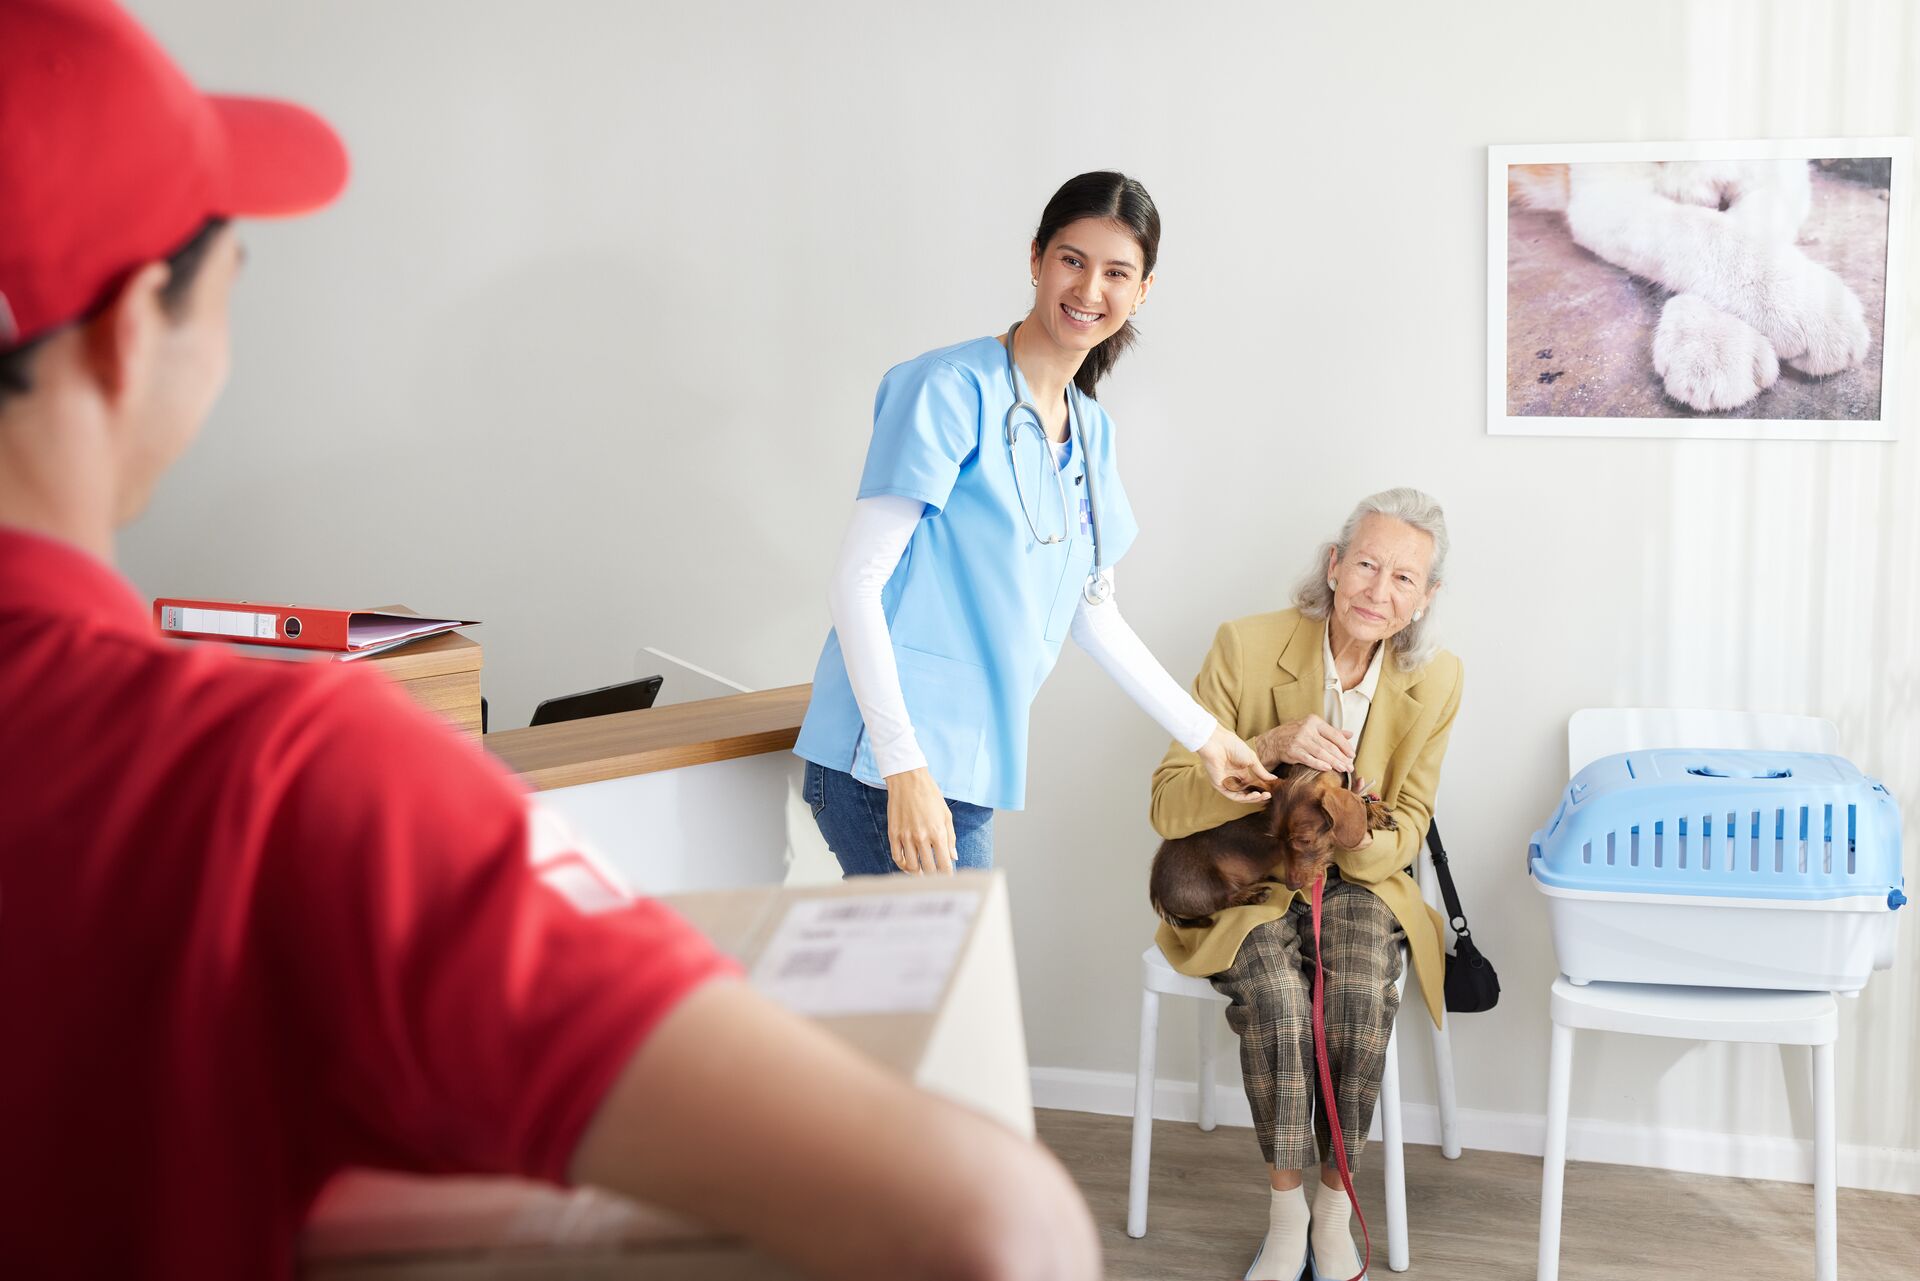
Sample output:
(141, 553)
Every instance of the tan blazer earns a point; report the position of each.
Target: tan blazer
(1401, 746)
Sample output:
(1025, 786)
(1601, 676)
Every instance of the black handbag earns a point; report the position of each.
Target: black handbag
(1471, 987)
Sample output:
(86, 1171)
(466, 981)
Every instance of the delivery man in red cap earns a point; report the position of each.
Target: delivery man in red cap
(263, 921)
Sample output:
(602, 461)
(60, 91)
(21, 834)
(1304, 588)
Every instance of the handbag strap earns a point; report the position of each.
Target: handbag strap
(1455, 916)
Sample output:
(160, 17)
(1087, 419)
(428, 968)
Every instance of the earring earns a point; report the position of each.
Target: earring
(1135, 311)
(1331, 587)
(1034, 281)
(1418, 614)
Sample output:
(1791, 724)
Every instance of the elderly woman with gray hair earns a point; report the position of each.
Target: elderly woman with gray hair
(1348, 679)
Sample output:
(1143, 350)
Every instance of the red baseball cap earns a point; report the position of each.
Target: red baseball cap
(111, 159)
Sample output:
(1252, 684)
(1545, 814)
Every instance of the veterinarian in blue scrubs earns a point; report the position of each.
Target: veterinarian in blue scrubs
(991, 489)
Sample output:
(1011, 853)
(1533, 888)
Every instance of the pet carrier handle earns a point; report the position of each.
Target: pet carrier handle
(1708, 771)
(1455, 917)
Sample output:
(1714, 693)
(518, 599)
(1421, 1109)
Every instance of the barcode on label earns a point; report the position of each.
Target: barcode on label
(809, 963)
(889, 909)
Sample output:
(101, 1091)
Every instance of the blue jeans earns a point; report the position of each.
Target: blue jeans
(853, 818)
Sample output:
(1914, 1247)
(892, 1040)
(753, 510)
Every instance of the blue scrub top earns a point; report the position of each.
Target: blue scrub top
(976, 607)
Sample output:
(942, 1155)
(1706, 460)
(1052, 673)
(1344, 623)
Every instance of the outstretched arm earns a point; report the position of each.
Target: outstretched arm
(1231, 767)
(744, 1116)
(1106, 636)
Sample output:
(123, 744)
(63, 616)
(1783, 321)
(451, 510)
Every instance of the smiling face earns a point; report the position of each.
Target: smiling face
(1381, 582)
(1091, 276)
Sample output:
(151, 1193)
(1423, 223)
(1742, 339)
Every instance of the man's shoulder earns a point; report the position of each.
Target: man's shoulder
(246, 716)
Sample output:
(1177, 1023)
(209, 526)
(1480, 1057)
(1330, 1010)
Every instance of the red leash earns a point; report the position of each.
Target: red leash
(1326, 1078)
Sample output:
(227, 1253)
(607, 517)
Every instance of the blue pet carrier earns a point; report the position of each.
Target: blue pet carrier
(1722, 869)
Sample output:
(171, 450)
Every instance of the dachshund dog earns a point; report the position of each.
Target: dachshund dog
(1310, 814)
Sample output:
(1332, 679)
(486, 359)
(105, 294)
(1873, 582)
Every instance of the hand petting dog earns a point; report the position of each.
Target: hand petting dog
(1307, 741)
(1236, 771)
(1310, 815)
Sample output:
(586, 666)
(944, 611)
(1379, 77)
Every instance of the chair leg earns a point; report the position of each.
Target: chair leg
(1393, 1144)
(1826, 1262)
(1143, 1113)
(1443, 1084)
(1207, 1040)
(1553, 1167)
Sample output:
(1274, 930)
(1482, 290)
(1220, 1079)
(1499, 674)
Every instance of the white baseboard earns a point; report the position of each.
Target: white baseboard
(1609, 1142)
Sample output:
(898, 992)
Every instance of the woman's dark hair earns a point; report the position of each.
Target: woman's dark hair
(184, 263)
(1116, 198)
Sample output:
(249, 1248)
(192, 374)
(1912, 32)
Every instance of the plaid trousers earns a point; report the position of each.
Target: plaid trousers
(1270, 984)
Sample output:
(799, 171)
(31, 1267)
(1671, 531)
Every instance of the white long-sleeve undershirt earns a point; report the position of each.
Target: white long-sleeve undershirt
(875, 540)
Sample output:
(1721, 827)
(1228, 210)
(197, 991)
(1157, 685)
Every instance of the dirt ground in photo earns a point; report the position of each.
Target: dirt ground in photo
(1580, 330)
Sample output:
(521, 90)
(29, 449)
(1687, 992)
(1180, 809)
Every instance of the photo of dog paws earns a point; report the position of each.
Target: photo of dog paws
(1708, 358)
(1676, 288)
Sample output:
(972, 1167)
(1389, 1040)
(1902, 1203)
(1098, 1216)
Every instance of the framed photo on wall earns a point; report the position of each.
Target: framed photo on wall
(1707, 289)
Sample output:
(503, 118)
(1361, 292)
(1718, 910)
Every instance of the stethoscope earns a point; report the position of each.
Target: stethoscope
(1099, 586)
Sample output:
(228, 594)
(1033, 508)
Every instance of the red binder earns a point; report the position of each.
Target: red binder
(352, 633)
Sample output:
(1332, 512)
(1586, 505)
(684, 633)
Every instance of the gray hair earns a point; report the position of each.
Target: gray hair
(1414, 645)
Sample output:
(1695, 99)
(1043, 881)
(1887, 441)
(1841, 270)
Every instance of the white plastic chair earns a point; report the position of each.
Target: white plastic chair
(1691, 1013)
(1158, 978)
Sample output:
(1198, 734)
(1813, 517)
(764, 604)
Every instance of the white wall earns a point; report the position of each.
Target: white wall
(588, 350)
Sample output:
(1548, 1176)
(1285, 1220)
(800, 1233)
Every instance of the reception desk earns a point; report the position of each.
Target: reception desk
(694, 796)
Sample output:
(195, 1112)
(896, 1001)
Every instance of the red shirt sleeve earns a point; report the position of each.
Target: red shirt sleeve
(449, 1011)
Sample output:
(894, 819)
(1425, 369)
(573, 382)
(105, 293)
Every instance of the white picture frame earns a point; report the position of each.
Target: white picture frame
(1617, 371)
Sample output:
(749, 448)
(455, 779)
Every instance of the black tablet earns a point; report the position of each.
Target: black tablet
(628, 696)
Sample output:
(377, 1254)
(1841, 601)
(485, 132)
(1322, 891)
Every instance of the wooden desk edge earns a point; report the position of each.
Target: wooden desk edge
(660, 738)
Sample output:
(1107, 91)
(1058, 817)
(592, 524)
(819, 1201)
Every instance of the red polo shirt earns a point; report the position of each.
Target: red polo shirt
(260, 921)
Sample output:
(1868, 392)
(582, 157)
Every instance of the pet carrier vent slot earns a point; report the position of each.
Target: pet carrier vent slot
(1586, 852)
(1680, 843)
(1755, 861)
(1826, 843)
(1850, 830)
(1733, 848)
(1779, 840)
(1610, 837)
(1633, 847)
(1706, 842)
(1659, 842)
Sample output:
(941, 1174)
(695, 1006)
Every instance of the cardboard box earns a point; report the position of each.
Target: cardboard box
(916, 972)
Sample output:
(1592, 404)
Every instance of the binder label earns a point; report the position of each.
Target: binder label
(219, 622)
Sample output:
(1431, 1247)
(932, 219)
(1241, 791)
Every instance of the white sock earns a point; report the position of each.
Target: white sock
(1334, 1256)
(1286, 1245)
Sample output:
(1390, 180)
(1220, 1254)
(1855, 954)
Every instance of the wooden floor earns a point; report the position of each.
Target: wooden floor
(1477, 1217)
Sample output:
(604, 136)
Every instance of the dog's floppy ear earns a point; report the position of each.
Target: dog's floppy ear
(1348, 814)
(1284, 796)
